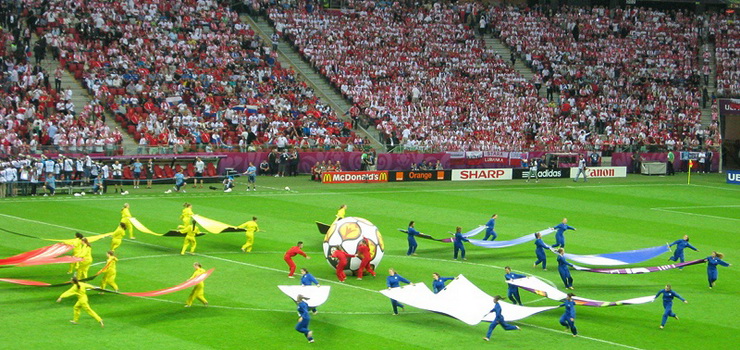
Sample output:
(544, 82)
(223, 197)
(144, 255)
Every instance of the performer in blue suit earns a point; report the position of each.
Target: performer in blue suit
(681, 244)
(563, 269)
(499, 319)
(439, 282)
(393, 281)
(307, 279)
(513, 292)
(569, 316)
(412, 233)
(668, 295)
(712, 262)
(458, 243)
(560, 235)
(539, 250)
(490, 232)
(303, 318)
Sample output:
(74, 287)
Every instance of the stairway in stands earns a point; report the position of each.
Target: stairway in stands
(80, 97)
(291, 57)
(706, 113)
(500, 49)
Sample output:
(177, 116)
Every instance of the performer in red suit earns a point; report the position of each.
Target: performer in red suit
(363, 251)
(293, 251)
(342, 257)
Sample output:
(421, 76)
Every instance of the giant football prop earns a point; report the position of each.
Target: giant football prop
(348, 233)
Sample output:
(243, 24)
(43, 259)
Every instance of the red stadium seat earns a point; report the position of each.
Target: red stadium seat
(210, 170)
(168, 171)
(127, 173)
(158, 172)
(190, 171)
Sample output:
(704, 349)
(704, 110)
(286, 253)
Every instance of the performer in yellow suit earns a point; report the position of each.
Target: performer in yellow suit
(186, 217)
(126, 220)
(190, 233)
(86, 255)
(199, 289)
(79, 289)
(118, 235)
(110, 271)
(341, 212)
(76, 243)
(250, 227)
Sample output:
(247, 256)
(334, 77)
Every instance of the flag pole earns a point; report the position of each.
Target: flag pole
(691, 164)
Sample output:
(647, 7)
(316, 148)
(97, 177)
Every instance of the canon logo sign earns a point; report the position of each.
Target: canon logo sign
(612, 171)
(601, 172)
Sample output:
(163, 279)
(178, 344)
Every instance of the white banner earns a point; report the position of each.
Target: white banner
(481, 174)
(600, 172)
(461, 299)
(539, 287)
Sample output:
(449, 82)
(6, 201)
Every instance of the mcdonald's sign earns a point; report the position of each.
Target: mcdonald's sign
(346, 177)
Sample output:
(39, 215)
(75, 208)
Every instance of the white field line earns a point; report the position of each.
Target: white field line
(694, 214)
(701, 206)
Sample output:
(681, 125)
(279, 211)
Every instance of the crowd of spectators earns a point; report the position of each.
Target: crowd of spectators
(726, 33)
(420, 74)
(613, 78)
(190, 75)
(34, 116)
(631, 76)
(187, 75)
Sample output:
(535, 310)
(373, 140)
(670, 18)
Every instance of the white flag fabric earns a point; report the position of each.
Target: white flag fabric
(539, 287)
(461, 299)
(316, 295)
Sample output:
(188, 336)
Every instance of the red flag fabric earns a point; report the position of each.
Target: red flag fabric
(61, 260)
(25, 282)
(43, 253)
(179, 287)
(691, 163)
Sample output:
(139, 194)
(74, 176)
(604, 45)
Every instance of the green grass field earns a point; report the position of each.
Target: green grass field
(248, 311)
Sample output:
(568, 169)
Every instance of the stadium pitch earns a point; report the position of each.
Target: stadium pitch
(248, 311)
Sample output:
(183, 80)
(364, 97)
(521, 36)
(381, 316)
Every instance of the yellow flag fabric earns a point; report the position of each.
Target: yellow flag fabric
(213, 226)
(90, 239)
(139, 226)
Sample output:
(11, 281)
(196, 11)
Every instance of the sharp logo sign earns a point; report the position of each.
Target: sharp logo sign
(481, 174)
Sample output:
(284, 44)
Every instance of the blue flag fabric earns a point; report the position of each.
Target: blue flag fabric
(619, 258)
(503, 244)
